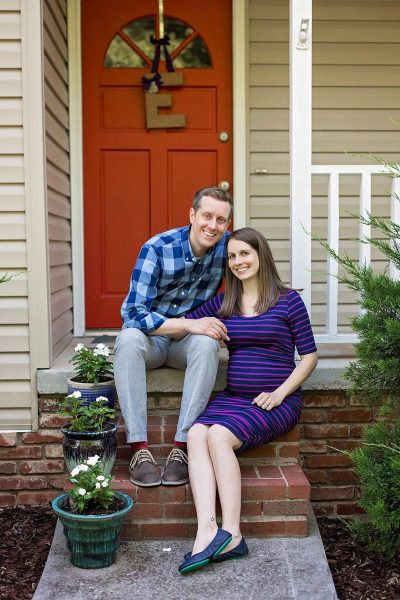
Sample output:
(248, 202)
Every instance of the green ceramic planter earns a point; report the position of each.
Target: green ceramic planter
(93, 540)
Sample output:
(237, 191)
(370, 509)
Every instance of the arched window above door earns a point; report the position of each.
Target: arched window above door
(131, 46)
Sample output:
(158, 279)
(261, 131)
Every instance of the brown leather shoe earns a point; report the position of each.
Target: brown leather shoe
(176, 470)
(143, 469)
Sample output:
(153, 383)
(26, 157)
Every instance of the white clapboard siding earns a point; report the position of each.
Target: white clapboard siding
(14, 394)
(57, 170)
(15, 360)
(356, 90)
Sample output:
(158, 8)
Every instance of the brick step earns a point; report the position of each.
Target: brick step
(275, 502)
(161, 432)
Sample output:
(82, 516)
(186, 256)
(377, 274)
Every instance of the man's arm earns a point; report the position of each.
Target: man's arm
(136, 309)
(178, 328)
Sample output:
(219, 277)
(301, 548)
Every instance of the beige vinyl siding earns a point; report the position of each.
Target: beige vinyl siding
(57, 170)
(356, 93)
(15, 392)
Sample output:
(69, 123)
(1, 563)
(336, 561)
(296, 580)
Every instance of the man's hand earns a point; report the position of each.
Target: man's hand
(210, 326)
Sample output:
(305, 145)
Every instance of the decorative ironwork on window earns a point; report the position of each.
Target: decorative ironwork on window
(131, 46)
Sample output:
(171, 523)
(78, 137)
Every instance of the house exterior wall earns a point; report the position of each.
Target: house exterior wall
(32, 469)
(58, 170)
(15, 360)
(356, 79)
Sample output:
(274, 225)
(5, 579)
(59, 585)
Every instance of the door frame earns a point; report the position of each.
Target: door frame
(240, 139)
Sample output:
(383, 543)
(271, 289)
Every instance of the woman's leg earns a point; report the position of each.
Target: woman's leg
(203, 484)
(221, 445)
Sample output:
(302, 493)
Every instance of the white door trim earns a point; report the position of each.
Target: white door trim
(240, 139)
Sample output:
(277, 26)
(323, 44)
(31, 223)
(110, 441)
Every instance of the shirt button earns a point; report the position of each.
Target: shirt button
(182, 293)
(175, 306)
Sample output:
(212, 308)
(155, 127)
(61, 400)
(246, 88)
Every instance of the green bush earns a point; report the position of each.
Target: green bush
(378, 466)
(375, 379)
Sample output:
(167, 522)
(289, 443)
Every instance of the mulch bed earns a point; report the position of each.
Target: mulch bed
(358, 573)
(26, 534)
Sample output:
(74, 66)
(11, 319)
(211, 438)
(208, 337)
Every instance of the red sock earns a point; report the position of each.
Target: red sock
(135, 446)
(180, 445)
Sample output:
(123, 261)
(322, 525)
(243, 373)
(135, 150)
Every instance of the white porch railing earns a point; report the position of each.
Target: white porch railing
(333, 172)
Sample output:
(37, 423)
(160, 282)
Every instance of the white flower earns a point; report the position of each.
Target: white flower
(104, 484)
(93, 460)
(101, 346)
(98, 486)
(75, 471)
(100, 398)
(76, 394)
(101, 351)
(100, 478)
(81, 491)
(83, 467)
(79, 347)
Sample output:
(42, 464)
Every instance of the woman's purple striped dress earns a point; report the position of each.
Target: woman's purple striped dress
(261, 357)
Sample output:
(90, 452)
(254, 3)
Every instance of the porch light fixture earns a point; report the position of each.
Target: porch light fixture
(302, 44)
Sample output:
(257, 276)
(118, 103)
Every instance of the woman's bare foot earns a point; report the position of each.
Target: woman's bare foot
(204, 538)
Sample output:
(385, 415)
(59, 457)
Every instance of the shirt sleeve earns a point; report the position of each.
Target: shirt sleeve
(136, 308)
(300, 325)
(208, 309)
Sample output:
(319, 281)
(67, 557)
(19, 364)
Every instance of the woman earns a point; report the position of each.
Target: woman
(265, 322)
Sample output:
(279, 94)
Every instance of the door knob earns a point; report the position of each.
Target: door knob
(224, 185)
(223, 136)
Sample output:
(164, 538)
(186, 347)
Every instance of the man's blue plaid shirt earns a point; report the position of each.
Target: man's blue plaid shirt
(169, 281)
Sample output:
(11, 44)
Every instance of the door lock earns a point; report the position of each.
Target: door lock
(224, 186)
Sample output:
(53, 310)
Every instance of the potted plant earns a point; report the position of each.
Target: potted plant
(93, 374)
(90, 431)
(92, 515)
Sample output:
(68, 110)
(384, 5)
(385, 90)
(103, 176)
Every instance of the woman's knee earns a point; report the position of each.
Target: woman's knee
(197, 434)
(219, 435)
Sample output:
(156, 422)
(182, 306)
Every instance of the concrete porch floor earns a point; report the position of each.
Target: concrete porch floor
(276, 568)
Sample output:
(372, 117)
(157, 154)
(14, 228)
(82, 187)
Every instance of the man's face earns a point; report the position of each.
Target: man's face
(209, 224)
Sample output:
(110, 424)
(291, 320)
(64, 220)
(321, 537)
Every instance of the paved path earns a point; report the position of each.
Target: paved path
(276, 569)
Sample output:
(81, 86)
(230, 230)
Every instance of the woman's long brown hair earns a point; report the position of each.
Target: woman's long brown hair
(270, 284)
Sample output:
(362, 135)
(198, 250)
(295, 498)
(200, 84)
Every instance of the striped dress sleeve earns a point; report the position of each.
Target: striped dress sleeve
(299, 323)
(208, 309)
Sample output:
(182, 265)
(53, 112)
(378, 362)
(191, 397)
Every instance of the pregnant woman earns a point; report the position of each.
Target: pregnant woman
(266, 322)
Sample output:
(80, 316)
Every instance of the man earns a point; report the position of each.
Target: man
(176, 272)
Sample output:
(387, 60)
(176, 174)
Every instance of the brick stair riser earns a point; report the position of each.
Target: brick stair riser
(161, 431)
(275, 501)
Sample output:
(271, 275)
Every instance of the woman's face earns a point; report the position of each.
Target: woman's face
(243, 260)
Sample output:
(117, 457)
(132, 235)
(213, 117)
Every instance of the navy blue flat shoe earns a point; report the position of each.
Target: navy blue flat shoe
(201, 559)
(240, 551)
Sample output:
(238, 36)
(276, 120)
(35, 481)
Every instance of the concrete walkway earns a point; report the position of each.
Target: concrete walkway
(276, 569)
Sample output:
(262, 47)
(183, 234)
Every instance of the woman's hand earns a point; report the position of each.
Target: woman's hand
(269, 400)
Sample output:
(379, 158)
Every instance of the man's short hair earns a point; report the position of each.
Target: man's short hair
(212, 192)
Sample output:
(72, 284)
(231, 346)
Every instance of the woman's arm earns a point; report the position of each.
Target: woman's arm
(178, 328)
(268, 400)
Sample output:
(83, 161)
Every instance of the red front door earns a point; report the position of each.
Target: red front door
(139, 181)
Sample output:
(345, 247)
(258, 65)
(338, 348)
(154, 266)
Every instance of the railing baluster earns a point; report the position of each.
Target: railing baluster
(365, 206)
(395, 216)
(332, 288)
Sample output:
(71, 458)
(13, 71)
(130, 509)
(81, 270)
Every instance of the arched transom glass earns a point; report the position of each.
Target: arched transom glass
(131, 46)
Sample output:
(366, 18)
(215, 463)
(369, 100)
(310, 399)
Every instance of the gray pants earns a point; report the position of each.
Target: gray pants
(136, 352)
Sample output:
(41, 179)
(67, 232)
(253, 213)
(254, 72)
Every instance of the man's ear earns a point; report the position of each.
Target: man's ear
(191, 214)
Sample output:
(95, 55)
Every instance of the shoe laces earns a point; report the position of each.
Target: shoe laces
(177, 454)
(140, 457)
